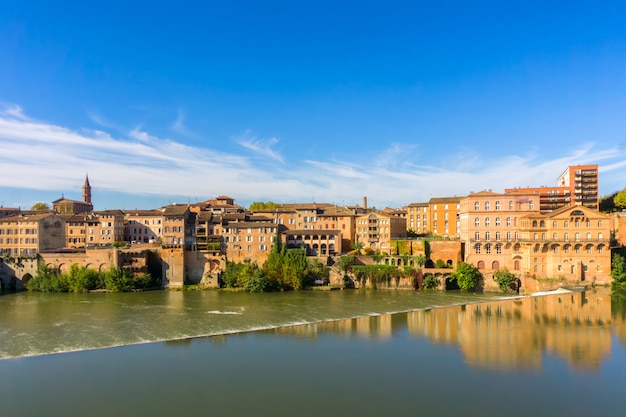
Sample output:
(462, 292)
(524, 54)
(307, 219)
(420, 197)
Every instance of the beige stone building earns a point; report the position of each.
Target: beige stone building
(376, 230)
(489, 228)
(248, 240)
(143, 226)
(81, 230)
(179, 227)
(417, 218)
(111, 227)
(572, 242)
(28, 235)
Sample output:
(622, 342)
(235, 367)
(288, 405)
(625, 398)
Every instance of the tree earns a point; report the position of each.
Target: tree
(620, 199)
(40, 207)
(357, 246)
(618, 270)
(467, 276)
(260, 205)
(505, 279)
(346, 262)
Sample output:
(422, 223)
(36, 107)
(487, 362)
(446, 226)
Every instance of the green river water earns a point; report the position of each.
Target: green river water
(311, 353)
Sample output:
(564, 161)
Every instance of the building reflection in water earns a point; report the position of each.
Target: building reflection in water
(506, 334)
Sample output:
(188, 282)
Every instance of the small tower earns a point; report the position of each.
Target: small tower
(87, 191)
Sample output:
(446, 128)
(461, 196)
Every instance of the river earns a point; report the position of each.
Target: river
(311, 353)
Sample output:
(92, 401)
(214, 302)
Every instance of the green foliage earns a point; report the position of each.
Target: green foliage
(357, 247)
(430, 282)
(411, 233)
(79, 279)
(40, 207)
(620, 199)
(377, 257)
(260, 205)
(257, 282)
(606, 203)
(505, 279)
(618, 270)
(467, 276)
(427, 249)
(285, 269)
(368, 251)
(439, 263)
(420, 260)
(346, 262)
(376, 274)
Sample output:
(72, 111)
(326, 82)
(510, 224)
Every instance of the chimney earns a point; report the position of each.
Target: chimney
(365, 202)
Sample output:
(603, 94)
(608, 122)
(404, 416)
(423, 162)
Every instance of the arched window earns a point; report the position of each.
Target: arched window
(480, 265)
(534, 223)
(477, 235)
(477, 222)
(477, 248)
(589, 248)
(566, 248)
(497, 235)
(508, 221)
(487, 222)
(488, 248)
(487, 205)
(497, 205)
(498, 221)
(542, 224)
(477, 205)
(499, 248)
(495, 265)
(510, 204)
(516, 265)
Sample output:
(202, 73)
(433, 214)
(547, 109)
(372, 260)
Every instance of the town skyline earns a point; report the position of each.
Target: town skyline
(329, 102)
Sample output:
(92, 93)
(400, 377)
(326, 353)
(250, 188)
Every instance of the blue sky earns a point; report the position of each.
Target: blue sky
(304, 101)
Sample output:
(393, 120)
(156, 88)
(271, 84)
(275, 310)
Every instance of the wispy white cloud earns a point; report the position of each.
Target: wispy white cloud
(260, 146)
(179, 125)
(40, 156)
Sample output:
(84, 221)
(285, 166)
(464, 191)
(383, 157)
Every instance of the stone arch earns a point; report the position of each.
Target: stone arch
(480, 265)
(495, 265)
(516, 264)
(429, 263)
(323, 247)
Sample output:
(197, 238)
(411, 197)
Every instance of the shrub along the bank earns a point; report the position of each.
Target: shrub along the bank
(376, 274)
(79, 279)
(285, 269)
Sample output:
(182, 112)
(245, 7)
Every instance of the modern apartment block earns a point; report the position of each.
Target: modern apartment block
(578, 184)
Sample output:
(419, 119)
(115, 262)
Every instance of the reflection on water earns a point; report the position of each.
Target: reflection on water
(507, 334)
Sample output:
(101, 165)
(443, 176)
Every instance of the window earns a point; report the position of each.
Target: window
(477, 222)
(531, 204)
(566, 248)
(508, 221)
(600, 236)
(516, 235)
(577, 237)
(499, 248)
(262, 247)
(477, 248)
(510, 204)
(477, 236)
(555, 248)
(536, 249)
(487, 236)
(487, 205)
(588, 223)
(577, 248)
(555, 224)
(476, 205)
(555, 236)
(543, 237)
(599, 223)
(497, 205)
(589, 248)
(497, 235)
(497, 221)
(565, 223)
(566, 237)
(577, 223)
(600, 248)
(487, 222)
(488, 248)
(535, 236)
(508, 235)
